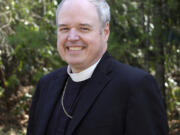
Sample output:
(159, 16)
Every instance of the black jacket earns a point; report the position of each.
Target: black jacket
(118, 100)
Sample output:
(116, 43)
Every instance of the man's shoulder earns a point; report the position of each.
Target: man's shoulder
(125, 75)
(122, 69)
(55, 74)
(126, 68)
(128, 72)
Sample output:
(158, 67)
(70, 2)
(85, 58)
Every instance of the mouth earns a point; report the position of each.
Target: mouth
(73, 48)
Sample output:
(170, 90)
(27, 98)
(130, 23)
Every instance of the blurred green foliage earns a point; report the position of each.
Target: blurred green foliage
(145, 34)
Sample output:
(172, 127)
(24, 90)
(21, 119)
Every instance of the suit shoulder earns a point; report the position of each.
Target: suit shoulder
(54, 74)
(127, 72)
(133, 79)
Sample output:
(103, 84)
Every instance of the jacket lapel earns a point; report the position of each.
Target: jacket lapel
(90, 93)
(48, 101)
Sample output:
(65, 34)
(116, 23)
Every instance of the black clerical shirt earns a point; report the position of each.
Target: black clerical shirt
(59, 121)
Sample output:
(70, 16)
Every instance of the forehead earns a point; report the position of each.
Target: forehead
(77, 10)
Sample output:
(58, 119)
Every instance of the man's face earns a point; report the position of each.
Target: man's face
(81, 38)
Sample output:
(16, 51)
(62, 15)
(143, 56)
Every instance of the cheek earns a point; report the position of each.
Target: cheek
(58, 45)
(60, 48)
(60, 42)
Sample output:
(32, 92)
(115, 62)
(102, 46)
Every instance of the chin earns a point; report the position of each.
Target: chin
(75, 62)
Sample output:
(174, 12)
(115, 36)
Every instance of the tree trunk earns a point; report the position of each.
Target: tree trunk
(159, 46)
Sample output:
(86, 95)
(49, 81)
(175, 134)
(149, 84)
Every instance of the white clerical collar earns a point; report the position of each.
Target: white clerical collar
(83, 75)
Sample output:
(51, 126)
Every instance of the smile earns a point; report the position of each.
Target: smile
(75, 48)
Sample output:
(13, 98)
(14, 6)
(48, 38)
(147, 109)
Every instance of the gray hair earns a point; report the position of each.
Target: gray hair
(102, 7)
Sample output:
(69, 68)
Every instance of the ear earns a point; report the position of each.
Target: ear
(106, 31)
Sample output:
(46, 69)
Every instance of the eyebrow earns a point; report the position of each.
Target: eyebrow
(81, 24)
(62, 25)
(87, 25)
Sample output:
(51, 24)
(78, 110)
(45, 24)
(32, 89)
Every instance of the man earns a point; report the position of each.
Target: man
(95, 94)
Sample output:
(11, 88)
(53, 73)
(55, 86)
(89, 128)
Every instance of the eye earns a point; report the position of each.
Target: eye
(84, 29)
(63, 29)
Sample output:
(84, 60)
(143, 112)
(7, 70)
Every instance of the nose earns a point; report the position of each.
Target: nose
(73, 35)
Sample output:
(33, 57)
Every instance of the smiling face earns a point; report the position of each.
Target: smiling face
(81, 39)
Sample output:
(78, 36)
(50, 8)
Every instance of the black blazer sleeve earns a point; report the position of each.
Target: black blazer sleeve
(31, 121)
(146, 114)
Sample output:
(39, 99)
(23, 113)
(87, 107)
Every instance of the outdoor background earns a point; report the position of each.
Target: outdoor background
(144, 33)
